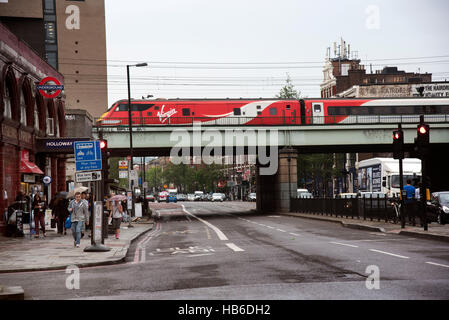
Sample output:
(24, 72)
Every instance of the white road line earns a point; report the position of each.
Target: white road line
(234, 247)
(271, 227)
(294, 234)
(344, 244)
(437, 264)
(281, 230)
(390, 254)
(378, 234)
(199, 255)
(220, 234)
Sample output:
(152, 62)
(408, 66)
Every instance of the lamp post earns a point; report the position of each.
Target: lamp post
(131, 186)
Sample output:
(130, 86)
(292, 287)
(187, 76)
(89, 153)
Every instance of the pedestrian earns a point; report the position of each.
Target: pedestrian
(39, 208)
(80, 214)
(409, 201)
(116, 214)
(61, 213)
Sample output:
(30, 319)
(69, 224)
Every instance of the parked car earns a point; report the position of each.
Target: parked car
(347, 195)
(162, 196)
(303, 193)
(438, 207)
(182, 197)
(252, 197)
(172, 197)
(199, 195)
(218, 197)
(150, 197)
(190, 197)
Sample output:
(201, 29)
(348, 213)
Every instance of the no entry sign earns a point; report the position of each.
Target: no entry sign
(44, 85)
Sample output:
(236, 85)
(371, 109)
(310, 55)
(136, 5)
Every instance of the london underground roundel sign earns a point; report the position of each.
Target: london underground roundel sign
(44, 85)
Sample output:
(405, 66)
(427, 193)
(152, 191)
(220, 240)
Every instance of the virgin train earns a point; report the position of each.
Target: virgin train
(273, 111)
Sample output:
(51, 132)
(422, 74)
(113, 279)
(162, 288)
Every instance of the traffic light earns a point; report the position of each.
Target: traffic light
(398, 144)
(423, 138)
(103, 145)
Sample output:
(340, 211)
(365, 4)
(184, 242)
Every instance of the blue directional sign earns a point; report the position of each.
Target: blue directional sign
(87, 155)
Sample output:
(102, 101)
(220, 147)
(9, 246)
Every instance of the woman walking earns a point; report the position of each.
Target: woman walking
(80, 214)
(39, 207)
(116, 214)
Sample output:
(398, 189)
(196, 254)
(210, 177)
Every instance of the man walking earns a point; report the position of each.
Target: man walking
(409, 200)
(80, 214)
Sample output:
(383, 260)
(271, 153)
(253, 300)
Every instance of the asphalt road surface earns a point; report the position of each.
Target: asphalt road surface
(205, 250)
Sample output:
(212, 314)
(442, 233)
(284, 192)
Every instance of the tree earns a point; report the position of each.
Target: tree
(288, 91)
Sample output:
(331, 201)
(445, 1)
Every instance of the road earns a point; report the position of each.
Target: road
(204, 250)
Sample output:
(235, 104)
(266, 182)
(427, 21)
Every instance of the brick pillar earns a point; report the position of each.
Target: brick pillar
(61, 175)
(10, 177)
(273, 191)
(54, 176)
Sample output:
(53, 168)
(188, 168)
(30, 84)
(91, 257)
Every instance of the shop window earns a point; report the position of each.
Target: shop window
(50, 127)
(23, 109)
(36, 117)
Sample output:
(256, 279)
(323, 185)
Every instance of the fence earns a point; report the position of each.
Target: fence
(367, 208)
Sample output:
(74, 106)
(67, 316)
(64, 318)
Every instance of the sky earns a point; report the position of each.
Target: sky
(246, 48)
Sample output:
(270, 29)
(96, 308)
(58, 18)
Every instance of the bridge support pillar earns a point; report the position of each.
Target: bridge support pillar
(274, 192)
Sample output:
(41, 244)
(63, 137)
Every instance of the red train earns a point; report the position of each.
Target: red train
(272, 111)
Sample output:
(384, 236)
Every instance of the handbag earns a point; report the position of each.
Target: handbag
(68, 222)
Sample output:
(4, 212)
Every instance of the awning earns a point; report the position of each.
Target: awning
(26, 166)
(29, 167)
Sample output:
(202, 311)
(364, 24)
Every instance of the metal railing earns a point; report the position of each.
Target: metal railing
(367, 208)
(273, 120)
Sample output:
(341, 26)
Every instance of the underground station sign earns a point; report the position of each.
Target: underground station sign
(54, 89)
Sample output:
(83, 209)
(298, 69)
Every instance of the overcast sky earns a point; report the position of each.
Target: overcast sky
(178, 37)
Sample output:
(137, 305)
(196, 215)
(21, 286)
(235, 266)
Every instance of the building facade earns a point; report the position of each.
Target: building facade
(70, 36)
(25, 116)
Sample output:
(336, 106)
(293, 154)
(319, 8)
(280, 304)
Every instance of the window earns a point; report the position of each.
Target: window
(186, 112)
(259, 113)
(237, 112)
(273, 111)
(317, 108)
(50, 127)
(149, 114)
(36, 117)
(259, 107)
(7, 103)
(156, 107)
(288, 107)
(23, 109)
(122, 107)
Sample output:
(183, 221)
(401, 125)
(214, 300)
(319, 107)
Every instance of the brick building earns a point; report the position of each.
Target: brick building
(26, 115)
(345, 71)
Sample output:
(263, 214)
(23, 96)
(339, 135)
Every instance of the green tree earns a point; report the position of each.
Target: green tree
(288, 91)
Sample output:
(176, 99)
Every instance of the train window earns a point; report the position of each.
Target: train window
(237, 112)
(122, 107)
(259, 107)
(259, 113)
(316, 108)
(149, 114)
(273, 111)
(156, 107)
(186, 112)
(288, 107)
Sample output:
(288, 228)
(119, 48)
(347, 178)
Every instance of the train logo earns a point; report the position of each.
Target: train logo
(163, 116)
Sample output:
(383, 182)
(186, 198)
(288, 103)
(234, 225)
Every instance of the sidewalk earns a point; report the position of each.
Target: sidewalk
(57, 251)
(435, 231)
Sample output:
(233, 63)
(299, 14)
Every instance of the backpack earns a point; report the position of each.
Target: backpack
(68, 222)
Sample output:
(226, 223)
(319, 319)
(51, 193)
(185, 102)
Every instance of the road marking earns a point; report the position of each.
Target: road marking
(158, 250)
(344, 244)
(376, 240)
(234, 247)
(294, 234)
(437, 264)
(390, 254)
(281, 230)
(274, 216)
(220, 234)
(199, 255)
(378, 234)
(271, 227)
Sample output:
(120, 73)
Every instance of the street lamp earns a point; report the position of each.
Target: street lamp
(131, 136)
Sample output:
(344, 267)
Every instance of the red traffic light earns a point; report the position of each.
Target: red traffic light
(422, 129)
(103, 144)
(395, 135)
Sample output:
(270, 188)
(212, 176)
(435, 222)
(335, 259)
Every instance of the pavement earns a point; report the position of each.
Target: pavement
(434, 232)
(56, 251)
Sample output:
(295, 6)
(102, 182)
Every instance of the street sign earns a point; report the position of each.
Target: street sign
(46, 180)
(122, 174)
(130, 200)
(123, 164)
(87, 155)
(134, 176)
(98, 223)
(87, 176)
(128, 158)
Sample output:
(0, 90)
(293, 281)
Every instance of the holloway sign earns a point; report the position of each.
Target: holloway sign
(59, 145)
